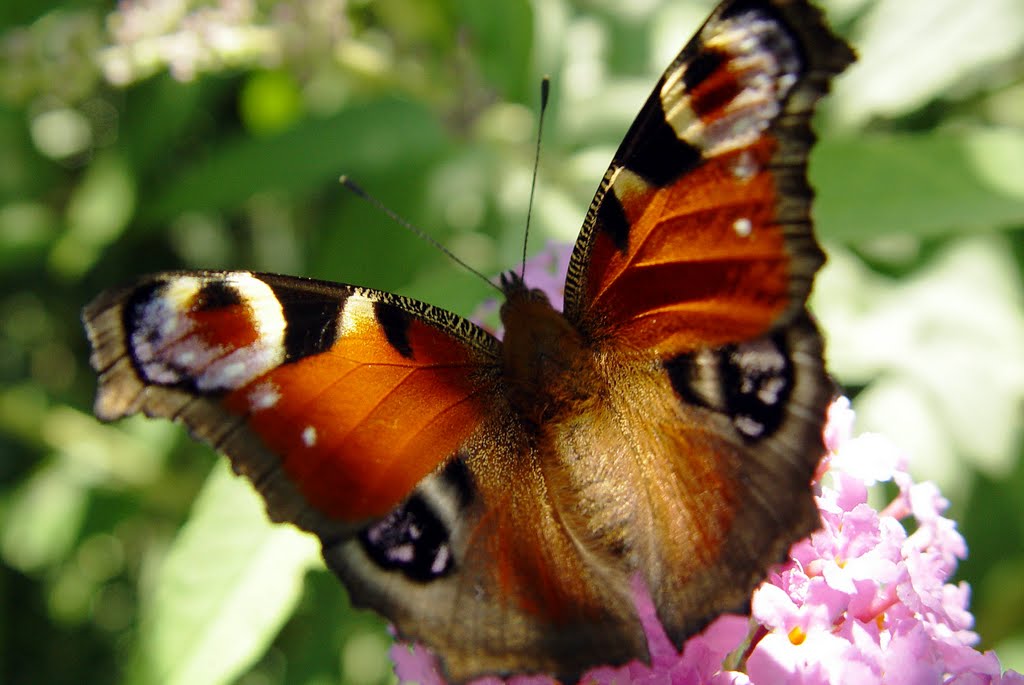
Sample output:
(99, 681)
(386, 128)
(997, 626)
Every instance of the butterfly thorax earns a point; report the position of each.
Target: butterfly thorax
(546, 366)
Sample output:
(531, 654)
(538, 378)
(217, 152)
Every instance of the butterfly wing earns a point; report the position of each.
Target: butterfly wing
(700, 232)
(303, 384)
(379, 424)
(690, 279)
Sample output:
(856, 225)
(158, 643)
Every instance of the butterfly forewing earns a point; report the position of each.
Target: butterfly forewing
(304, 384)
(700, 233)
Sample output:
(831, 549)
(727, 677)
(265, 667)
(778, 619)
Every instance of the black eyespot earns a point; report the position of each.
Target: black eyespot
(751, 383)
(411, 540)
(757, 379)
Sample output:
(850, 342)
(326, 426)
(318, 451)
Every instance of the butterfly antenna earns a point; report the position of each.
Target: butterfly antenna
(545, 91)
(416, 230)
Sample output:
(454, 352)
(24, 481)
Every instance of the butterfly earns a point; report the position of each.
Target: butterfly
(495, 499)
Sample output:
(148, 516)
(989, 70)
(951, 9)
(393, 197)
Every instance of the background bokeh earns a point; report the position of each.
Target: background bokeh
(165, 134)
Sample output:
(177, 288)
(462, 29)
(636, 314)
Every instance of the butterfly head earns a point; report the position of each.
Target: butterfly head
(525, 307)
(515, 288)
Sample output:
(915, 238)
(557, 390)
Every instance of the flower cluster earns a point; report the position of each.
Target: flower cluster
(859, 601)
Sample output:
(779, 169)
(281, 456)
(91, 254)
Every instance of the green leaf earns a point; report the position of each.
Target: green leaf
(270, 102)
(42, 518)
(924, 185)
(380, 134)
(508, 24)
(938, 352)
(162, 115)
(26, 230)
(98, 211)
(913, 51)
(229, 582)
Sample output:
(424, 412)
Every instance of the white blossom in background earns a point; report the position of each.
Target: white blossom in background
(190, 38)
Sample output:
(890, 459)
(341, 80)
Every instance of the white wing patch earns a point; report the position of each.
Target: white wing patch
(356, 315)
(171, 347)
(762, 59)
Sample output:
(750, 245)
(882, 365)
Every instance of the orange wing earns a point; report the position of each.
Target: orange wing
(335, 400)
(700, 233)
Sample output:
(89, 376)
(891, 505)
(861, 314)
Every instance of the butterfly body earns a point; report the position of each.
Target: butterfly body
(499, 500)
(547, 367)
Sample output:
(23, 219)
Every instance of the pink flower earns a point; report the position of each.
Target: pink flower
(860, 601)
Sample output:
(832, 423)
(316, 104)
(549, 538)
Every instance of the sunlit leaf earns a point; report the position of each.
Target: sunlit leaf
(925, 185)
(312, 154)
(917, 345)
(42, 519)
(912, 51)
(229, 582)
(98, 210)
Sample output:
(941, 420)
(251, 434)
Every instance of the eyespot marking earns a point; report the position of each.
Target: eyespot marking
(411, 540)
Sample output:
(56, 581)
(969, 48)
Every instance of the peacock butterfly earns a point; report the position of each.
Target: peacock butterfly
(496, 499)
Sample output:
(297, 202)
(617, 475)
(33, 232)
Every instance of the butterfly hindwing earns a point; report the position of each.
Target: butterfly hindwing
(721, 492)
(486, 575)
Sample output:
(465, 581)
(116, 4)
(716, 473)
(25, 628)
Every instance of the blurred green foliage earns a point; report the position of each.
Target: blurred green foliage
(175, 134)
